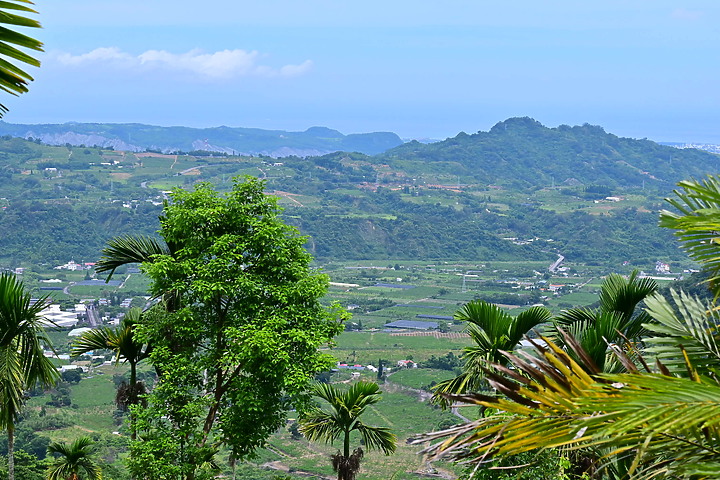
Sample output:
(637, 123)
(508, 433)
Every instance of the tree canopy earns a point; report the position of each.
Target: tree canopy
(237, 344)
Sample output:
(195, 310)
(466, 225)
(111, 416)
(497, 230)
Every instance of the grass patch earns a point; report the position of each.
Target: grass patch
(420, 377)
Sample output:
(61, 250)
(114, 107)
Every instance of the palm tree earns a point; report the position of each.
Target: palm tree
(127, 348)
(343, 417)
(657, 424)
(72, 460)
(493, 331)
(688, 331)
(616, 320)
(13, 79)
(696, 222)
(642, 424)
(22, 363)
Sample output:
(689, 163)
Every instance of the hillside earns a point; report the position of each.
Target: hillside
(522, 153)
(438, 201)
(137, 137)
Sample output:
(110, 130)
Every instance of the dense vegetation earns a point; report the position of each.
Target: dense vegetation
(405, 204)
(520, 152)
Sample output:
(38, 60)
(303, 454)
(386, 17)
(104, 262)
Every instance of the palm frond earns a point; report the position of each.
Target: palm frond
(343, 417)
(12, 385)
(618, 294)
(551, 401)
(22, 363)
(492, 331)
(616, 321)
(13, 79)
(129, 249)
(320, 426)
(121, 340)
(72, 459)
(378, 438)
(691, 325)
(696, 222)
(95, 339)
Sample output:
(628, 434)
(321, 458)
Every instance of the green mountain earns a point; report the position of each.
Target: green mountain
(137, 137)
(520, 190)
(522, 153)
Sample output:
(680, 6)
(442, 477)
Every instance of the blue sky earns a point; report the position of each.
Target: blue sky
(639, 68)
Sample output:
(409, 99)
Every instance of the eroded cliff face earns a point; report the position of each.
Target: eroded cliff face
(314, 141)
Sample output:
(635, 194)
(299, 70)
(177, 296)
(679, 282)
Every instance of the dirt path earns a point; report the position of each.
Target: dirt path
(288, 195)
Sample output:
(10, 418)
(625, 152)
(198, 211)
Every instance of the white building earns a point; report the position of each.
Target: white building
(56, 316)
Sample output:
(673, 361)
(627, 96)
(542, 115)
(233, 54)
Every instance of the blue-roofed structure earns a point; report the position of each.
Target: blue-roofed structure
(99, 283)
(412, 324)
(435, 317)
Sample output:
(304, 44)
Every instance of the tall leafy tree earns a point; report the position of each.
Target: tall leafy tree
(341, 418)
(235, 339)
(127, 348)
(74, 461)
(22, 363)
(13, 79)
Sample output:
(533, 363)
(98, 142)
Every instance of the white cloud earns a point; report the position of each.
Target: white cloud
(224, 64)
(105, 54)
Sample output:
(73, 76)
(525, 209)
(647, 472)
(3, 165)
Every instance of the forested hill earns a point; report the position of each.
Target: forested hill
(523, 153)
(520, 190)
(138, 137)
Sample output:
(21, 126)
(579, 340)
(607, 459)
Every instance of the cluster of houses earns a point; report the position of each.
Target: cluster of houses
(72, 266)
(357, 368)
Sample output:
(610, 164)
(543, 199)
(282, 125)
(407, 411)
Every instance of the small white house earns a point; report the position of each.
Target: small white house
(406, 364)
(66, 368)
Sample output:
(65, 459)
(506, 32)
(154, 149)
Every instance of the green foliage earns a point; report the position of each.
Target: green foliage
(22, 363)
(533, 465)
(342, 418)
(493, 332)
(13, 79)
(690, 325)
(79, 207)
(27, 466)
(641, 424)
(696, 222)
(236, 281)
(617, 321)
(449, 362)
(522, 153)
(74, 461)
(123, 342)
(62, 232)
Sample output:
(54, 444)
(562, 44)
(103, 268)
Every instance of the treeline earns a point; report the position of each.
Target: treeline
(44, 233)
(433, 231)
(49, 233)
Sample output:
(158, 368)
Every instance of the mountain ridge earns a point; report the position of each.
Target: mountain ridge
(137, 137)
(522, 152)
